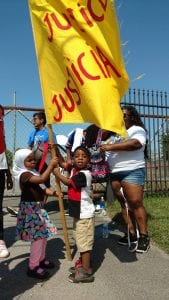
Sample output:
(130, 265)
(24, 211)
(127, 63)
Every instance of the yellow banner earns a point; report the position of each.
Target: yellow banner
(80, 62)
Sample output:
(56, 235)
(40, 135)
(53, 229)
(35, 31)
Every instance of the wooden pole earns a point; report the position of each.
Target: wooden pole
(61, 206)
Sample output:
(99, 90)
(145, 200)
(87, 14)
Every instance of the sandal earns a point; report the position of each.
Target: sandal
(38, 273)
(46, 264)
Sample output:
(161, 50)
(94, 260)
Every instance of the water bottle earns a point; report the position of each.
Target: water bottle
(102, 203)
(105, 231)
(102, 206)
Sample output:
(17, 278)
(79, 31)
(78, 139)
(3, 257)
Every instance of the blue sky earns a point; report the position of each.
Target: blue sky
(145, 25)
(144, 29)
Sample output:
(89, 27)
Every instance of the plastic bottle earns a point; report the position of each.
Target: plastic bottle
(102, 206)
(105, 231)
(102, 203)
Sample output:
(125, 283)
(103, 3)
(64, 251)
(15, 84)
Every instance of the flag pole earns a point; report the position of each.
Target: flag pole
(61, 206)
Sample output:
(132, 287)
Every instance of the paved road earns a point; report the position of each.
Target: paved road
(119, 274)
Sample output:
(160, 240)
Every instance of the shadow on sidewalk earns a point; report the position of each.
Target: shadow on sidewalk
(101, 245)
(14, 281)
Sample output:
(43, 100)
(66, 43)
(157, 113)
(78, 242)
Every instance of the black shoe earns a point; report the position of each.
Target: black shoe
(124, 240)
(46, 264)
(35, 274)
(143, 243)
(133, 246)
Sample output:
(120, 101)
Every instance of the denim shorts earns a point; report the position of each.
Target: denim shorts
(132, 176)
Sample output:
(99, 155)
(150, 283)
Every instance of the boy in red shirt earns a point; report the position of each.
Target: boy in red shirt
(81, 208)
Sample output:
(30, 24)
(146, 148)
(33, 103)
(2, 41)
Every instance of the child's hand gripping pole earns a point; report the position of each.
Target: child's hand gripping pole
(60, 198)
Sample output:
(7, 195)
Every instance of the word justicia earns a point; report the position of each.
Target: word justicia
(79, 70)
(65, 22)
(78, 74)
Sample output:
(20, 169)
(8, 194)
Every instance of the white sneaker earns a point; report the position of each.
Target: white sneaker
(97, 209)
(3, 250)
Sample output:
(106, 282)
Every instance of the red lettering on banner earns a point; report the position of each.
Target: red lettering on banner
(83, 69)
(73, 80)
(80, 71)
(74, 91)
(77, 74)
(67, 100)
(98, 63)
(107, 63)
(70, 12)
(103, 4)
(85, 17)
(56, 102)
(84, 13)
(69, 95)
(61, 102)
(91, 10)
(59, 25)
(46, 19)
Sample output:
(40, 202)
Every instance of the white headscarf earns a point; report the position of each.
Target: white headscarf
(18, 163)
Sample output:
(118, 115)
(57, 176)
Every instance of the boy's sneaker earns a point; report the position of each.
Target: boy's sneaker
(72, 270)
(124, 240)
(3, 250)
(81, 275)
(78, 264)
(143, 243)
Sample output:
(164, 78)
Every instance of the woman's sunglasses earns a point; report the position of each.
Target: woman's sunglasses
(127, 115)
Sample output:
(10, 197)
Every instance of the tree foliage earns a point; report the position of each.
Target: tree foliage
(165, 145)
(9, 156)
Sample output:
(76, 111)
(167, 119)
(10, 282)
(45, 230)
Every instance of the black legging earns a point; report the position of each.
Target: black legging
(2, 188)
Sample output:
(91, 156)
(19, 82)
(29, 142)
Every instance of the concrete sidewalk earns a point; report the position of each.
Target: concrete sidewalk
(118, 273)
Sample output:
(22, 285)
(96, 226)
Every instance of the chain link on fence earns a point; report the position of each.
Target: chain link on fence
(154, 110)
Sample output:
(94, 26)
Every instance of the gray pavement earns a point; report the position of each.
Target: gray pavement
(118, 273)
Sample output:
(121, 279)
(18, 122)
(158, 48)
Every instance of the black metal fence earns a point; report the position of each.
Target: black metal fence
(154, 109)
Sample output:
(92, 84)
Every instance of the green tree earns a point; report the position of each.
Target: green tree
(9, 156)
(165, 145)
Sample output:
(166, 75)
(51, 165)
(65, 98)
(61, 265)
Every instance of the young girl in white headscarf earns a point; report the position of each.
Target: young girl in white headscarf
(33, 223)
